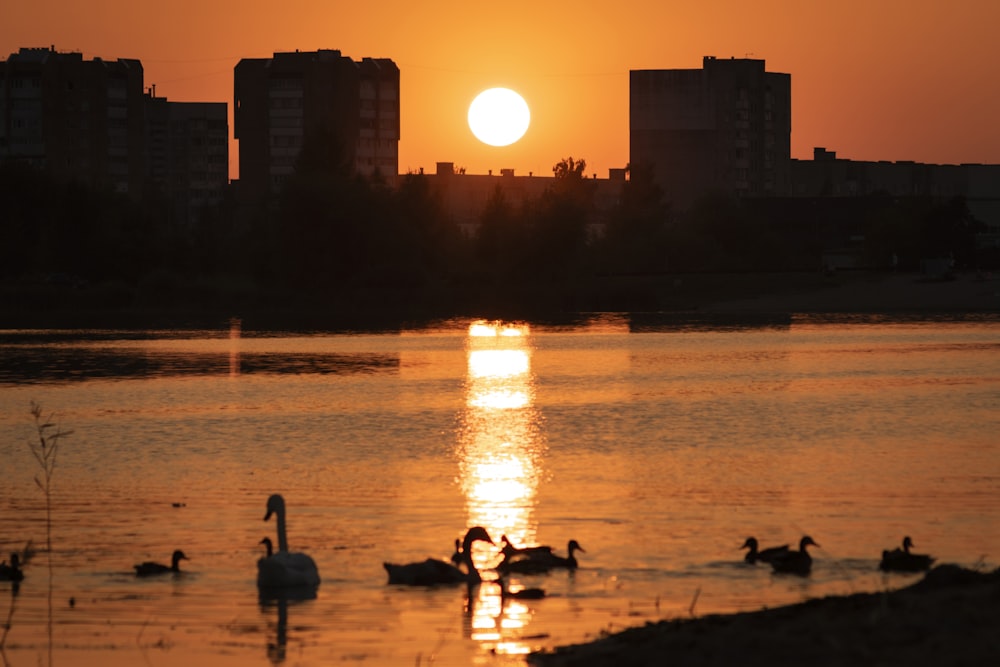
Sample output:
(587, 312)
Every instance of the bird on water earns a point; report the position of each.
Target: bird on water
(542, 560)
(901, 560)
(431, 572)
(151, 568)
(284, 568)
(795, 562)
(763, 555)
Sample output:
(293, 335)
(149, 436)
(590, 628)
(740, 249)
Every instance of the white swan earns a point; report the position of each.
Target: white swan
(284, 569)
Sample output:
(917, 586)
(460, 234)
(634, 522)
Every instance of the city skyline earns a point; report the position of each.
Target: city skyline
(902, 81)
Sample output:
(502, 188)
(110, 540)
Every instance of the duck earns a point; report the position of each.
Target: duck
(795, 562)
(151, 568)
(456, 557)
(283, 568)
(901, 560)
(508, 549)
(520, 594)
(432, 571)
(268, 546)
(13, 571)
(762, 555)
(542, 561)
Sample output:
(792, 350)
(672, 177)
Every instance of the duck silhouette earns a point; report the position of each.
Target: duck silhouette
(901, 560)
(519, 594)
(795, 562)
(763, 555)
(152, 568)
(432, 572)
(542, 560)
(509, 550)
(13, 571)
(282, 568)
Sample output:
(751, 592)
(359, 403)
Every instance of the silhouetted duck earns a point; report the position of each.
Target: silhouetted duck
(542, 561)
(763, 555)
(795, 562)
(433, 571)
(284, 569)
(456, 557)
(150, 568)
(509, 551)
(901, 560)
(13, 571)
(520, 594)
(268, 546)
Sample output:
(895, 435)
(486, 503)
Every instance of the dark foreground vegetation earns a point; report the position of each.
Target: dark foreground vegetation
(341, 245)
(949, 617)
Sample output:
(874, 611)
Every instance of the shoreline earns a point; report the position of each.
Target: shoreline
(670, 298)
(949, 617)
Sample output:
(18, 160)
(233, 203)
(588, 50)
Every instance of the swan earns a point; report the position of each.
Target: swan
(433, 571)
(795, 562)
(283, 568)
(13, 571)
(542, 561)
(763, 555)
(901, 560)
(150, 568)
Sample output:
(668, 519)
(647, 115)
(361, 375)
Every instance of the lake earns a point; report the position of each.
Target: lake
(658, 445)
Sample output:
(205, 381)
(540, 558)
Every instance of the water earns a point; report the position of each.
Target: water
(658, 448)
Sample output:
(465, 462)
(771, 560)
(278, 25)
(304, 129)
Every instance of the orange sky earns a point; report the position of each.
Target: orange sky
(871, 79)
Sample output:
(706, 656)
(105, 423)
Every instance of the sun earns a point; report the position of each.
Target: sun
(499, 116)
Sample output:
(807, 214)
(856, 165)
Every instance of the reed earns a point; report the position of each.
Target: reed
(45, 449)
(46, 453)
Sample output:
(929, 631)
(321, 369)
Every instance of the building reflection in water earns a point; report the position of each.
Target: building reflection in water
(235, 332)
(500, 448)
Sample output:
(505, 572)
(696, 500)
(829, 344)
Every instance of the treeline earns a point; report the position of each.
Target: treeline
(331, 233)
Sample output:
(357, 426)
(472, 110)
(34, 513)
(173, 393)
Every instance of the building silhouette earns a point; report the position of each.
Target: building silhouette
(74, 119)
(321, 101)
(723, 128)
(188, 153)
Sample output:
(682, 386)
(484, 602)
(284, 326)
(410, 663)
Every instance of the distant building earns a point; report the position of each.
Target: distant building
(75, 119)
(314, 99)
(723, 128)
(827, 175)
(465, 197)
(188, 153)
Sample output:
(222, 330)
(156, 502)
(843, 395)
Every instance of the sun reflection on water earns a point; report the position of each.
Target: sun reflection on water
(500, 447)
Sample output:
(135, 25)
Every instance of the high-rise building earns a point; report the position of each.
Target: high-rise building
(76, 119)
(188, 153)
(723, 128)
(314, 105)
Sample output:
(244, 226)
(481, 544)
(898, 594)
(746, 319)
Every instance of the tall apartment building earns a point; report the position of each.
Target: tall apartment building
(311, 100)
(723, 128)
(76, 119)
(187, 146)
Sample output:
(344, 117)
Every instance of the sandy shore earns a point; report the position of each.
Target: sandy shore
(950, 617)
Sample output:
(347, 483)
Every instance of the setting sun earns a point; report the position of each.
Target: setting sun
(499, 116)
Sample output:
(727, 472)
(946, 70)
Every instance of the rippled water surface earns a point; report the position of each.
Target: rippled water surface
(659, 448)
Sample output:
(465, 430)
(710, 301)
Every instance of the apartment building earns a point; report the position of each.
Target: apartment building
(75, 119)
(319, 102)
(723, 128)
(187, 147)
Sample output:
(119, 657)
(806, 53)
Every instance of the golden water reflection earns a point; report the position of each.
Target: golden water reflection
(500, 449)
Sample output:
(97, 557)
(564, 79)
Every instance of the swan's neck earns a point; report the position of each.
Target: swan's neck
(467, 559)
(282, 537)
